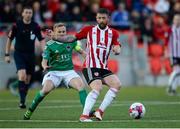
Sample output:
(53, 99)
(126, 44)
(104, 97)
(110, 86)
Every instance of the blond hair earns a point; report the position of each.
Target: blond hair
(60, 24)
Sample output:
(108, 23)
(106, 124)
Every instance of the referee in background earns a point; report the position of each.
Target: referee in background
(25, 32)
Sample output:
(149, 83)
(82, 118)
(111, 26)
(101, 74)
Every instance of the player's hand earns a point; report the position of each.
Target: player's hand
(116, 49)
(46, 67)
(7, 59)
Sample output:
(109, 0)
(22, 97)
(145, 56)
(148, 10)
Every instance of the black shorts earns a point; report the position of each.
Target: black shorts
(25, 61)
(92, 74)
(175, 61)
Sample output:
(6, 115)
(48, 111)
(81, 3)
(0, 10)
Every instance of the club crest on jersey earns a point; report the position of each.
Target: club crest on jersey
(96, 74)
(68, 48)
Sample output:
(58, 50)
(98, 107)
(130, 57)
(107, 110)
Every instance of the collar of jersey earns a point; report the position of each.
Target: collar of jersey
(103, 29)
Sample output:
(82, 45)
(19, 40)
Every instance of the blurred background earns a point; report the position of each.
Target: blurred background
(142, 25)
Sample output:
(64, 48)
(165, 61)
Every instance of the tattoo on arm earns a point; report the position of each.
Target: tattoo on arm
(66, 39)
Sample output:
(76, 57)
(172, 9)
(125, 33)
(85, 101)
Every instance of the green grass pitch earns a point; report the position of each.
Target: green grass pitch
(61, 109)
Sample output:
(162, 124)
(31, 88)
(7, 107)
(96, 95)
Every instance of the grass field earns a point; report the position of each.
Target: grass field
(61, 109)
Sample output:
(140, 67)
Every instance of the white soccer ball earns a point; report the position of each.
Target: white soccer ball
(137, 110)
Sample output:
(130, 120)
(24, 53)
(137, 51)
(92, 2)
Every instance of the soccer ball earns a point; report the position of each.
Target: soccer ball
(137, 110)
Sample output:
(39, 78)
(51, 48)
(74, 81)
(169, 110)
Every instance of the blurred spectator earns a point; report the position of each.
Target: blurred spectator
(53, 6)
(37, 17)
(62, 15)
(76, 14)
(135, 19)
(108, 4)
(7, 15)
(162, 6)
(84, 9)
(120, 17)
(147, 29)
(92, 14)
(18, 11)
(160, 30)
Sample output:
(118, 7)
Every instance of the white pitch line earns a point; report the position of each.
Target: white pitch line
(78, 105)
(104, 121)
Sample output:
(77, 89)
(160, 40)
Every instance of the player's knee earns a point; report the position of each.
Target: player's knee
(96, 85)
(47, 87)
(22, 76)
(116, 85)
(78, 84)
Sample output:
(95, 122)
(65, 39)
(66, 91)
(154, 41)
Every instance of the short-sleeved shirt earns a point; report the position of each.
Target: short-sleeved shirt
(59, 55)
(99, 44)
(25, 35)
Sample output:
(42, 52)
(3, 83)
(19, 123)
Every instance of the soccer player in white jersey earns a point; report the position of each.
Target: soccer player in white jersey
(174, 53)
(100, 40)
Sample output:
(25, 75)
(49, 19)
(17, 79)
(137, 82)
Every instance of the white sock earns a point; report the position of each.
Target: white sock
(90, 101)
(108, 98)
(174, 83)
(173, 79)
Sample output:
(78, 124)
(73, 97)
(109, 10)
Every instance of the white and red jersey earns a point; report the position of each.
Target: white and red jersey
(174, 41)
(99, 44)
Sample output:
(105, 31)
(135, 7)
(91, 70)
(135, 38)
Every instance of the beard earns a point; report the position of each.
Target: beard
(102, 25)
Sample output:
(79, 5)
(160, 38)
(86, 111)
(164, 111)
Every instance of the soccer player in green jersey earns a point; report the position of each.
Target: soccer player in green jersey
(57, 60)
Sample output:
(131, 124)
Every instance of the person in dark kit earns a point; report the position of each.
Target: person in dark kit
(25, 32)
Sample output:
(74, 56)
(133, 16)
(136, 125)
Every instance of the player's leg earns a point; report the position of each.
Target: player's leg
(113, 82)
(22, 87)
(78, 84)
(173, 80)
(47, 87)
(22, 76)
(50, 81)
(94, 81)
(13, 87)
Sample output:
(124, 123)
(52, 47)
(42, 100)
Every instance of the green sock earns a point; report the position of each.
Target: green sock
(15, 84)
(82, 96)
(38, 98)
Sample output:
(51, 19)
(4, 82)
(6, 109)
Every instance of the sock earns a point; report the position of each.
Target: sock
(173, 79)
(22, 91)
(90, 101)
(82, 96)
(15, 84)
(108, 98)
(38, 98)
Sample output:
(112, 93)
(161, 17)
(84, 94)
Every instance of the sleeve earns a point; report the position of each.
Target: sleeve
(38, 33)
(12, 32)
(46, 53)
(115, 38)
(83, 33)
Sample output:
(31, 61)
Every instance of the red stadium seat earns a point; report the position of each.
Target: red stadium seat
(155, 66)
(167, 66)
(113, 65)
(156, 50)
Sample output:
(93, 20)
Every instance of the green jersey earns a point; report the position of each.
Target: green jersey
(59, 55)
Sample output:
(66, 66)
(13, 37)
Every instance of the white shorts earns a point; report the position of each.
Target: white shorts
(58, 76)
